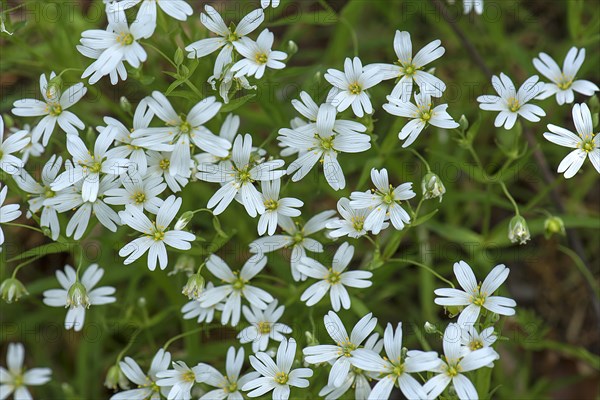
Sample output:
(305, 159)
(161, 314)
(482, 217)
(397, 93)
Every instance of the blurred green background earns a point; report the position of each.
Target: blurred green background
(552, 345)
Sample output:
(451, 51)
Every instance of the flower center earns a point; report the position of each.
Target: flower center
(478, 300)
(325, 143)
(388, 198)
(354, 88)
(398, 369)
(189, 376)
(346, 348)
(238, 284)
(453, 370)
(264, 327)
(48, 193)
(587, 143)
(358, 223)
(261, 58)
(298, 238)
(476, 345)
(333, 277)
(244, 176)
(18, 381)
(426, 116)
(125, 38)
(54, 109)
(164, 164)
(232, 37)
(158, 236)
(271, 205)
(281, 378)
(513, 104)
(185, 128)
(564, 82)
(230, 387)
(139, 197)
(96, 167)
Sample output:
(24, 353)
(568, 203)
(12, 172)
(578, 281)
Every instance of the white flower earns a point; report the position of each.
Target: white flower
(159, 164)
(237, 286)
(53, 108)
(181, 132)
(263, 326)
(40, 191)
(333, 279)
(349, 87)
(72, 198)
(31, 149)
(238, 178)
(258, 55)
(138, 191)
(422, 115)
(79, 294)
(471, 340)
(227, 37)
(342, 353)
(195, 309)
(394, 369)
(180, 379)
(322, 141)
(357, 379)
(586, 143)
(352, 223)
(178, 9)
(8, 213)
(229, 131)
(229, 385)
(563, 81)
(408, 68)
(277, 376)
(156, 234)
(147, 388)
(453, 365)
(272, 3)
(384, 202)
(296, 237)
(473, 5)
(14, 143)
(88, 166)
(476, 295)
(275, 207)
(16, 378)
(512, 103)
(118, 43)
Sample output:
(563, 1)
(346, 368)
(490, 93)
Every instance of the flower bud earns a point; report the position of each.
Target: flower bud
(141, 302)
(9, 122)
(116, 378)
(554, 225)
(77, 296)
(430, 328)
(185, 219)
(194, 287)
(432, 186)
(311, 340)
(518, 230)
(12, 290)
(184, 264)
(178, 59)
(292, 48)
(463, 122)
(54, 88)
(125, 104)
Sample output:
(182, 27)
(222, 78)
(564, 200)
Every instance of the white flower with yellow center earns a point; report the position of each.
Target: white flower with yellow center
(275, 207)
(237, 285)
(258, 56)
(16, 378)
(159, 164)
(178, 9)
(156, 234)
(226, 39)
(452, 368)
(334, 279)
(79, 294)
(512, 103)
(180, 379)
(140, 192)
(396, 367)
(471, 340)
(408, 69)
(147, 387)
(263, 326)
(352, 223)
(228, 386)
(474, 296)
(341, 354)
(194, 308)
(278, 375)
(586, 142)
(564, 83)
(349, 86)
(384, 202)
(53, 108)
(422, 114)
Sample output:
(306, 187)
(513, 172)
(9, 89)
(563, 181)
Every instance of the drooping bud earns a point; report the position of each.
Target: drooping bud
(185, 219)
(292, 48)
(194, 287)
(54, 88)
(125, 104)
(77, 296)
(554, 225)
(183, 264)
(429, 327)
(311, 340)
(115, 378)
(12, 290)
(432, 186)
(518, 231)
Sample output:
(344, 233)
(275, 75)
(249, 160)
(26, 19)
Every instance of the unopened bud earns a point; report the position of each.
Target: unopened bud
(292, 48)
(125, 104)
(77, 296)
(12, 290)
(54, 88)
(430, 328)
(115, 378)
(9, 122)
(311, 340)
(463, 122)
(518, 231)
(194, 287)
(141, 302)
(183, 264)
(185, 219)
(432, 186)
(178, 56)
(554, 225)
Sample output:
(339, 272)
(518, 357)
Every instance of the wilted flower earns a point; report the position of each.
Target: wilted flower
(518, 231)
(432, 186)
(115, 378)
(194, 286)
(12, 290)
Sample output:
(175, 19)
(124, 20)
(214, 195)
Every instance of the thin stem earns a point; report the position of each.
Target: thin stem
(129, 344)
(418, 264)
(33, 228)
(18, 267)
(416, 153)
(508, 195)
(182, 335)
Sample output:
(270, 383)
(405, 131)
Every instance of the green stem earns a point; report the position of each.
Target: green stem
(33, 228)
(416, 153)
(418, 264)
(182, 335)
(510, 198)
